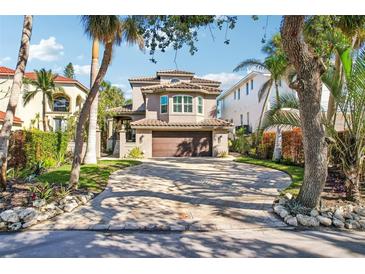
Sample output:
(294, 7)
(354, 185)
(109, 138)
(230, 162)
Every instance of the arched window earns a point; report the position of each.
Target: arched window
(174, 80)
(61, 103)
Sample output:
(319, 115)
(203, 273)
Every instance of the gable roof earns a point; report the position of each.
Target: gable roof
(4, 71)
(181, 87)
(16, 121)
(240, 82)
(175, 72)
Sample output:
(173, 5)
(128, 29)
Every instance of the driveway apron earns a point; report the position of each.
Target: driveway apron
(180, 194)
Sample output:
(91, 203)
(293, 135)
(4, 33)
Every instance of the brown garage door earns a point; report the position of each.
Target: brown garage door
(181, 143)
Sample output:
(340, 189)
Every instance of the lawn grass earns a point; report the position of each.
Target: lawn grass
(93, 178)
(295, 172)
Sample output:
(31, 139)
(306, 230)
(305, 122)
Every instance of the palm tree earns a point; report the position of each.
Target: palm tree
(110, 30)
(44, 83)
(277, 65)
(90, 156)
(14, 96)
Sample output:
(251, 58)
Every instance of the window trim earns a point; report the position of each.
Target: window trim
(198, 105)
(182, 104)
(61, 95)
(167, 104)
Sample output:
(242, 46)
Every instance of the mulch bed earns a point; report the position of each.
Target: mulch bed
(16, 194)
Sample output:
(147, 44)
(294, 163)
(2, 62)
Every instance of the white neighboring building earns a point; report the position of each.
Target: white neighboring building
(240, 104)
(64, 105)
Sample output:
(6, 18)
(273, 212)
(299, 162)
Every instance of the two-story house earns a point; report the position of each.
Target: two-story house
(64, 104)
(240, 104)
(173, 114)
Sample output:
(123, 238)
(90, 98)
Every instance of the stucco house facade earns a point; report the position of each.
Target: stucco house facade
(173, 114)
(64, 105)
(240, 105)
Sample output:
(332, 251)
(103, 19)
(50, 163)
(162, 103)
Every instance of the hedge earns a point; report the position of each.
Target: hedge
(28, 147)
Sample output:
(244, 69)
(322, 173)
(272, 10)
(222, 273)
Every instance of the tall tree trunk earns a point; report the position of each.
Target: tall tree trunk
(79, 141)
(308, 85)
(90, 157)
(331, 107)
(14, 96)
(257, 141)
(278, 137)
(44, 117)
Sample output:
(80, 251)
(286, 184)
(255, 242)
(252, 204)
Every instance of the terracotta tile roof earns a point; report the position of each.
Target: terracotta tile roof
(32, 75)
(144, 79)
(125, 109)
(17, 120)
(180, 86)
(204, 81)
(175, 72)
(158, 123)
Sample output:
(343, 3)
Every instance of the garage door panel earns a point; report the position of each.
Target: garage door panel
(181, 144)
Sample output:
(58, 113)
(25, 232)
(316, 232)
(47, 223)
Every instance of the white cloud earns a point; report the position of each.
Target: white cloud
(228, 79)
(82, 70)
(4, 60)
(47, 50)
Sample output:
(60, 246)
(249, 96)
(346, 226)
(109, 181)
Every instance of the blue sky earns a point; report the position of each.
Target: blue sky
(57, 40)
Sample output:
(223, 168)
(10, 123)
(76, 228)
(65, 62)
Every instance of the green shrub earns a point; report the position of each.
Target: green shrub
(29, 147)
(135, 153)
(42, 190)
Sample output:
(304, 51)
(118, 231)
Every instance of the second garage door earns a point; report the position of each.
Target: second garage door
(181, 143)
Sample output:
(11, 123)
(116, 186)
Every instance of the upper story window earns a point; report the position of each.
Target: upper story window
(164, 102)
(234, 97)
(239, 94)
(200, 105)
(183, 103)
(251, 84)
(174, 80)
(247, 89)
(61, 103)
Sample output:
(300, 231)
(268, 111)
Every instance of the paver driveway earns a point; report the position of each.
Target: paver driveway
(198, 193)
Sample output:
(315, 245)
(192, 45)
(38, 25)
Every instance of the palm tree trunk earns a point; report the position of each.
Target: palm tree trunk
(260, 119)
(278, 137)
(44, 118)
(14, 96)
(308, 85)
(90, 157)
(79, 141)
(353, 183)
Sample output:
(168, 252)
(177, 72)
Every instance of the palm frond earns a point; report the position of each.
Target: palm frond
(253, 63)
(131, 34)
(265, 89)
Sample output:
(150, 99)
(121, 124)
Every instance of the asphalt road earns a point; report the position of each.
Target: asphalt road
(238, 243)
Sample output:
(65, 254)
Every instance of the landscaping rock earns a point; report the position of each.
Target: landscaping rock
(70, 206)
(42, 217)
(278, 209)
(338, 223)
(360, 210)
(282, 201)
(324, 220)
(28, 214)
(362, 223)
(2, 225)
(9, 216)
(39, 203)
(18, 209)
(292, 221)
(30, 223)
(314, 213)
(288, 196)
(307, 220)
(348, 215)
(283, 213)
(82, 198)
(15, 226)
(339, 215)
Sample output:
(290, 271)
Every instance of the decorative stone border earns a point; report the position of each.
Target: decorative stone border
(349, 216)
(21, 218)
